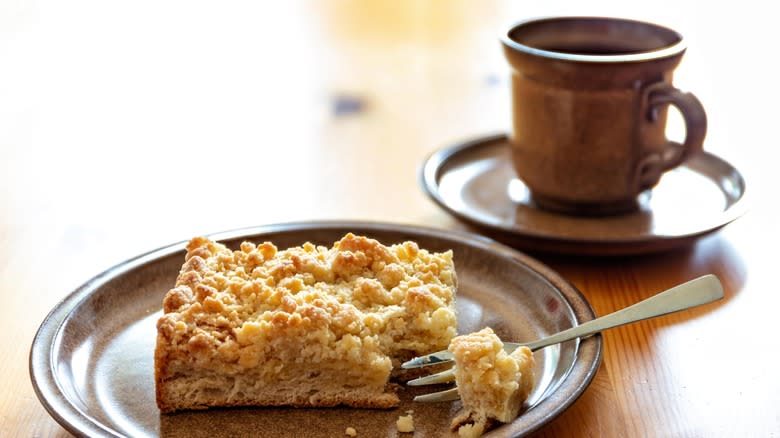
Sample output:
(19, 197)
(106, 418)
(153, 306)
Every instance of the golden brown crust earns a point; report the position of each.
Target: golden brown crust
(261, 312)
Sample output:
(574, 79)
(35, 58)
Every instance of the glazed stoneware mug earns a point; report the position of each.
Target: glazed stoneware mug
(589, 103)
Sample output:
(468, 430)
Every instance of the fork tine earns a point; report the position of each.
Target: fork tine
(441, 396)
(442, 377)
(443, 356)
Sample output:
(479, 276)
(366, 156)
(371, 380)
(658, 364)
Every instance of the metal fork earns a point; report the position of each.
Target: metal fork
(696, 292)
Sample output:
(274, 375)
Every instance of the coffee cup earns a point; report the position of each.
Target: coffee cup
(589, 106)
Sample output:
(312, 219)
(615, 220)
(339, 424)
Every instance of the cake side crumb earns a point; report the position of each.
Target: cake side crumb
(350, 431)
(405, 423)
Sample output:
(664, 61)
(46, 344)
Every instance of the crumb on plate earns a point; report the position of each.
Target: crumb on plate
(405, 423)
(471, 430)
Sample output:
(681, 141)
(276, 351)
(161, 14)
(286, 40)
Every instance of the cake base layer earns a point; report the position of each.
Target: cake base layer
(202, 392)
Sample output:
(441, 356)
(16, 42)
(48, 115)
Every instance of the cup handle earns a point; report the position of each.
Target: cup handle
(673, 153)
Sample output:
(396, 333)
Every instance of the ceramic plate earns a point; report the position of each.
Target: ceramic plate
(91, 361)
(475, 182)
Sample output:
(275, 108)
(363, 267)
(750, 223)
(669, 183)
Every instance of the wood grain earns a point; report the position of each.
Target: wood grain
(125, 126)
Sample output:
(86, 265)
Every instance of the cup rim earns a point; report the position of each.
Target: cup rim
(673, 49)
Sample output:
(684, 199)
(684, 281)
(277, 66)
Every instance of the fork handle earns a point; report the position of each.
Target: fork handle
(699, 291)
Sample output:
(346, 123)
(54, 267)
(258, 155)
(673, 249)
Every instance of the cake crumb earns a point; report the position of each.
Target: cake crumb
(405, 423)
(471, 430)
(350, 431)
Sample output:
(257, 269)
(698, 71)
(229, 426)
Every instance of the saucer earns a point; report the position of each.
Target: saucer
(475, 182)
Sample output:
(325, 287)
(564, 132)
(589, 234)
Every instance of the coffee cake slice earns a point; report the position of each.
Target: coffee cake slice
(305, 326)
(492, 383)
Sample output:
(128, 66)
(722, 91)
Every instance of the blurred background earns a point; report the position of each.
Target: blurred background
(102, 103)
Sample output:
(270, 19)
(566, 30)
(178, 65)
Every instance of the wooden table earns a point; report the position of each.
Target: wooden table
(125, 126)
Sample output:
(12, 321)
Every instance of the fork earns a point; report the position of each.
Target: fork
(693, 293)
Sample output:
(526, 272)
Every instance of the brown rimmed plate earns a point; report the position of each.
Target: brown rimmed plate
(91, 362)
(475, 182)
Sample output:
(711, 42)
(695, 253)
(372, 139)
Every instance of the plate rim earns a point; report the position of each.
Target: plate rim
(430, 172)
(62, 409)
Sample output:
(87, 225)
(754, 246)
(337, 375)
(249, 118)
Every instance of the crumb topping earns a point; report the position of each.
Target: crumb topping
(359, 299)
